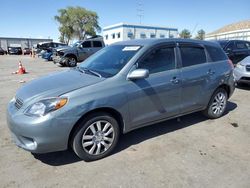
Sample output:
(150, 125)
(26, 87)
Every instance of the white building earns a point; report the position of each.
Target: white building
(239, 30)
(124, 31)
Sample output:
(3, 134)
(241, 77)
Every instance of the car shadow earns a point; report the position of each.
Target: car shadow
(134, 137)
(243, 86)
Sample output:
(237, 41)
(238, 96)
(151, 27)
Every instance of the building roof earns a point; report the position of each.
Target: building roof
(242, 25)
(137, 26)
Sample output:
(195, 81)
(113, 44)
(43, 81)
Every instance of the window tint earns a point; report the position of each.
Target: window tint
(118, 35)
(86, 44)
(97, 44)
(113, 36)
(241, 45)
(192, 56)
(159, 60)
(248, 45)
(231, 46)
(215, 53)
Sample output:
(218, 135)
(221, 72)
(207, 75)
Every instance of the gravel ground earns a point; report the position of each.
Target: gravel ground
(192, 152)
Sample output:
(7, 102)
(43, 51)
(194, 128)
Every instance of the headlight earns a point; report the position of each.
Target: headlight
(61, 53)
(45, 106)
(240, 66)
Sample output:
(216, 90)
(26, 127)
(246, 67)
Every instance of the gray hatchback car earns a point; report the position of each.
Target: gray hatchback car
(122, 87)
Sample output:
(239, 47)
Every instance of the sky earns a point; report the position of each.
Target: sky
(35, 19)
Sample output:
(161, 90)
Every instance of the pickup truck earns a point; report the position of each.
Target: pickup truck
(78, 52)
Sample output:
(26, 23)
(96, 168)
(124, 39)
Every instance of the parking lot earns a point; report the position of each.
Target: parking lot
(189, 152)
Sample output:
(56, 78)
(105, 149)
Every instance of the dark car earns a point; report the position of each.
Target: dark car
(2, 52)
(122, 87)
(14, 50)
(236, 50)
(26, 51)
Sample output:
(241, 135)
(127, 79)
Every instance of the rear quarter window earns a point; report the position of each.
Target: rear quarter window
(215, 53)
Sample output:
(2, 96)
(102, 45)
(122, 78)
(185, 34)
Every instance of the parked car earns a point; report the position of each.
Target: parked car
(242, 71)
(43, 47)
(235, 49)
(47, 55)
(120, 88)
(2, 52)
(78, 52)
(14, 50)
(26, 51)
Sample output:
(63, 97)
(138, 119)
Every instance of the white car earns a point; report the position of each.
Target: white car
(242, 71)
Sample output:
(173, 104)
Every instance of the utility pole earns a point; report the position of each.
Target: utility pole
(140, 11)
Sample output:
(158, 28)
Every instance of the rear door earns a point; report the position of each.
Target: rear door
(196, 73)
(97, 45)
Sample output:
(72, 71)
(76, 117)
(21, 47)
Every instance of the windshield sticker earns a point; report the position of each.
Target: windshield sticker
(131, 48)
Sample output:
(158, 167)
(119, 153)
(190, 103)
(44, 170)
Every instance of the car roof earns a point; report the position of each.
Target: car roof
(149, 42)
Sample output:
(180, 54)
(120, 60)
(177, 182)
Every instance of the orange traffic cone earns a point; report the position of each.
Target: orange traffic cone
(21, 69)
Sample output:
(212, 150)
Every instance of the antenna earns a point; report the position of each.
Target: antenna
(140, 11)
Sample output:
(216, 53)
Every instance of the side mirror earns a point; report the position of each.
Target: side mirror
(138, 74)
(229, 50)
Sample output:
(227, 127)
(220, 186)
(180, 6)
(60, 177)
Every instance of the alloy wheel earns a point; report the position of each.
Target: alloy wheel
(98, 137)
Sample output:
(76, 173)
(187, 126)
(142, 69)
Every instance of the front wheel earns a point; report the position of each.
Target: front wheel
(96, 137)
(71, 62)
(217, 104)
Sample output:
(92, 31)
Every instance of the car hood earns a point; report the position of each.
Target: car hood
(61, 48)
(56, 84)
(245, 61)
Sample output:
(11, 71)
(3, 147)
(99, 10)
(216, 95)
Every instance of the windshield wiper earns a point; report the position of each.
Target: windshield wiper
(79, 69)
(92, 72)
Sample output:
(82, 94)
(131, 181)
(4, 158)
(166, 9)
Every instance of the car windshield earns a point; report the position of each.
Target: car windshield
(110, 60)
(222, 43)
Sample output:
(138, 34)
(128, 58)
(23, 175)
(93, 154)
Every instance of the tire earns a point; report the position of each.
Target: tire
(217, 104)
(89, 141)
(71, 61)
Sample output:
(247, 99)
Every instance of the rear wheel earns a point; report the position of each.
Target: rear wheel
(217, 104)
(96, 137)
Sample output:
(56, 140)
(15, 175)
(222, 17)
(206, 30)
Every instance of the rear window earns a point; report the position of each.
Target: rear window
(192, 56)
(215, 53)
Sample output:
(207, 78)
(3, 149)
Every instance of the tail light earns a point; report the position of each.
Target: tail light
(230, 63)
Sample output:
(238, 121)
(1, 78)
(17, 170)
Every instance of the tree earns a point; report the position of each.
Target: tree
(185, 33)
(200, 34)
(76, 22)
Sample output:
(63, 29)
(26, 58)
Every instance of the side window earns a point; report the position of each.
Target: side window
(248, 45)
(240, 45)
(97, 44)
(159, 60)
(215, 53)
(230, 46)
(86, 44)
(192, 56)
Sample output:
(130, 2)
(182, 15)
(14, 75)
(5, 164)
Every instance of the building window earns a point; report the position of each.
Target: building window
(130, 34)
(118, 35)
(143, 35)
(152, 35)
(171, 36)
(113, 36)
(162, 36)
(107, 37)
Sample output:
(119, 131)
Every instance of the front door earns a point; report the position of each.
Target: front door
(84, 50)
(158, 96)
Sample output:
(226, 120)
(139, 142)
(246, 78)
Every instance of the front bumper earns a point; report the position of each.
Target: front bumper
(58, 59)
(241, 75)
(39, 134)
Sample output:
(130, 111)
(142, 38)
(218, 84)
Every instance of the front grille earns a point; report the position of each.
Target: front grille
(18, 103)
(248, 68)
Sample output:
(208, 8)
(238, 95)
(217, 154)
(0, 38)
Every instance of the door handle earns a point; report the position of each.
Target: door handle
(175, 80)
(210, 72)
